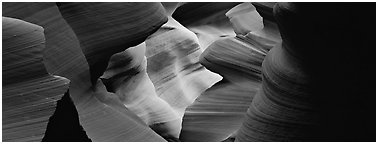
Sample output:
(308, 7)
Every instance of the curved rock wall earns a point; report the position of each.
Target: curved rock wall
(309, 82)
(29, 92)
(62, 55)
(127, 77)
(173, 66)
(102, 114)
(219, 111)
(149, 72)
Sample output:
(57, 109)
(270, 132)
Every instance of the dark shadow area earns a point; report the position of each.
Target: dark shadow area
(64, 125)
(337, 42)
(192, 12)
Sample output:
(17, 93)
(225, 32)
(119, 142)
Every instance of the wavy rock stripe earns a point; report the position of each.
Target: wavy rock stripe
(309, 94)
(281, 110)
(279, 113)
(102, 114)
(225, 103)
(105, 118)
(62, 55)
(29, 92)
(173, 66)
(127, 77)
(217, 112)
(234, 59)
(241, 57)
(107, 28)
(28, 105)
(220, 110)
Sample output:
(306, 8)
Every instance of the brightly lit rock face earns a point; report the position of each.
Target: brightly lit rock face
(173, 66)
(244, 18)
(127, 77)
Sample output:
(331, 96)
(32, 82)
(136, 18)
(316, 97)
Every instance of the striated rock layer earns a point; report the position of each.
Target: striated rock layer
(104, 29)
(219, 111)
(29, 92)
(309, 92)
(62, 55)
(283, 104)
(284, 108)
(115, 26)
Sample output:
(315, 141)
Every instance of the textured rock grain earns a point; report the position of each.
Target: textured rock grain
(127, 77)
(103, 31)
(220, 110)
(29, 92)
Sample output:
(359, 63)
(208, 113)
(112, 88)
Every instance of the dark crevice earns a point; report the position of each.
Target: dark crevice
(63, 125)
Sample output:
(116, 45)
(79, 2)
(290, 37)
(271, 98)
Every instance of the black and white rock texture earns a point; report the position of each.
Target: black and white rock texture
(188, 71)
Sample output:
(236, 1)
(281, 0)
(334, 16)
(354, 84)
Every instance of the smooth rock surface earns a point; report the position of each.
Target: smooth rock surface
(170, 7)
(173, 66)
(127, 77)
(245, 18)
